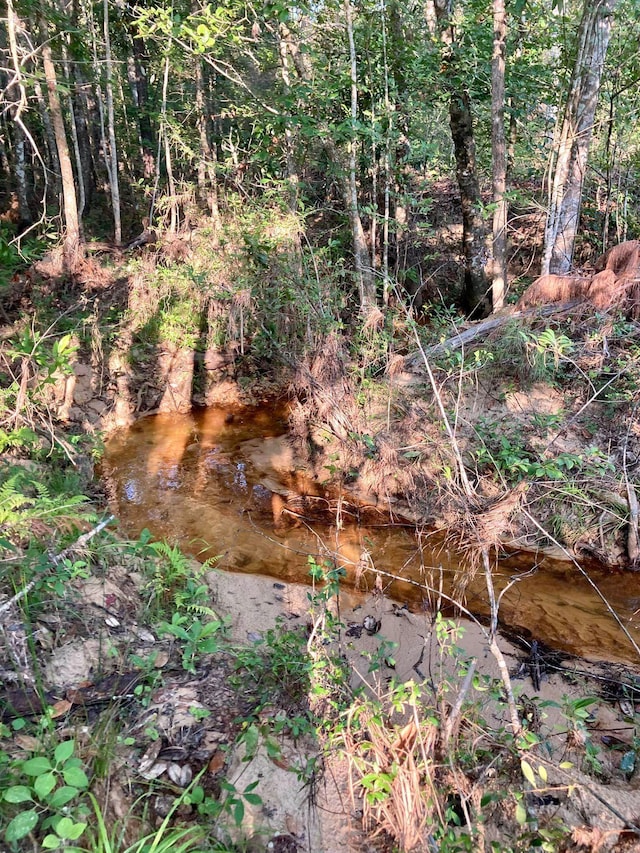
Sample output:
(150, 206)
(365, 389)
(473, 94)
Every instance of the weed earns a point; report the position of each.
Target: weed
(198, 637)
(47, 790)
(177, 582)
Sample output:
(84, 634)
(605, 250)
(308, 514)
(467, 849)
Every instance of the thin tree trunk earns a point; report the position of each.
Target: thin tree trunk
(72, 240)
(207, 177)
(74, 136)
(84, 107)
(16, 95)
(476, 295)
(498, 147)
(49, 135)
(362, 259)
(292, 170)
(386, 283)
(173, 226)
(572, 146)
(113, 153)
(476, 299)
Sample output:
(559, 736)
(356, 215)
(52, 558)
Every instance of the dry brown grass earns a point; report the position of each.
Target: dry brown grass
(552, 288)
(391, 775)
(615, 285)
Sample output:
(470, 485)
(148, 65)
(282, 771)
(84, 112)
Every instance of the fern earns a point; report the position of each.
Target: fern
(26, 500)
(177, 581)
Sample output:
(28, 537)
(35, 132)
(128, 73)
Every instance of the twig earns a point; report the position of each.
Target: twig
(468, 489)
(454, 714)
(55, 560)
(495, 648)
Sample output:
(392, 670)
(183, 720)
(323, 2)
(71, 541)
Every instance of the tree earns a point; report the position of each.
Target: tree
(571, 147)
(499, 156)
(72, 239)
(476, 297)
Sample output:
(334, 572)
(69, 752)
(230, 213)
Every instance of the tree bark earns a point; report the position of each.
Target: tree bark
(112, 155)
(16, 95)
(475, 297)
(207, 177)
(499, 156)
(362, 258)
(571, 148)
(72, 240)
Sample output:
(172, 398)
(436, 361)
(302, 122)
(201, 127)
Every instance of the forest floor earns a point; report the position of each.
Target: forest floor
(541, 418)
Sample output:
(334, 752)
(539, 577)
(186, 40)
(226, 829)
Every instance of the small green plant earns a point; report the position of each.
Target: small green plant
(232, 802)
(198, 637)
(165, 839)
(177, 582)
(46, 791)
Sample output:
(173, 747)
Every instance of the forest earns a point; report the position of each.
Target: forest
(319, 434)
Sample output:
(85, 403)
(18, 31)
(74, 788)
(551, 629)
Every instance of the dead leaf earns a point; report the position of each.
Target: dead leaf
(149, 758)
(28, 743)
(181, 775)
(161, 659)
(60, 708)
(155, 771)
(216, 762)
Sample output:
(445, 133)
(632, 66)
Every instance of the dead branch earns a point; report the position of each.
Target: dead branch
(482, 328)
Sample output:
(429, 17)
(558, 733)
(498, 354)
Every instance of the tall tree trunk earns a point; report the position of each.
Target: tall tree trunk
(571, 148)
(207, 177)
(84, 110)
(73, 124)
(362, 259)
(72, 239)
(113, 153)
(475, 297)
(16, 95)
(499, 156)
(474, 239)
(292, 170)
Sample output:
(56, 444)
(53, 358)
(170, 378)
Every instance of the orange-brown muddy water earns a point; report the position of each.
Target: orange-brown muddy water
(225, 484)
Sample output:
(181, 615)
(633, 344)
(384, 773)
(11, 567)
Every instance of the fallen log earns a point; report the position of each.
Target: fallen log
(483, 327)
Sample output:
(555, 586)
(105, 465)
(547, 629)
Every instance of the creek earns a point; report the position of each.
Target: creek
(224, 484)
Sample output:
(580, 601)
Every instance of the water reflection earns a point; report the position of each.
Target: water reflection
(225, 484)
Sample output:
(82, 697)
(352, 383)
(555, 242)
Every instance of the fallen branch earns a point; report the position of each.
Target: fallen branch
(484, 327)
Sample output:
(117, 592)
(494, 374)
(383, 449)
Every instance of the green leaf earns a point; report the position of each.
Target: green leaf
(17, 794)
(64, 751)
(521, 814)
(51, 842)
(238, 812)
(44, 785)
(542, 772)
(254, 799)
(21, 825)
(67, 828)
(37, 766)
(528, 773)
(75, 776)
(62, 796)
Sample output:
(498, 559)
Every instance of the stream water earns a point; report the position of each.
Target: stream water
(224, 484)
